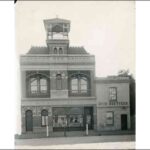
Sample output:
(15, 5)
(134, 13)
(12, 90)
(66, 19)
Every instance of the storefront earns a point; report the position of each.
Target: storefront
(72, 118)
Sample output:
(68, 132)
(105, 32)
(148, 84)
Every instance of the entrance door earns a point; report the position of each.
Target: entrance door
(88, 114)
(124, 122)
(29, 120)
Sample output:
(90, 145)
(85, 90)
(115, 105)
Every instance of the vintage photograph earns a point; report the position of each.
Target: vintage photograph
(76, 74)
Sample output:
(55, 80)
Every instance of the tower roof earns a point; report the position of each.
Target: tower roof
(56, 20)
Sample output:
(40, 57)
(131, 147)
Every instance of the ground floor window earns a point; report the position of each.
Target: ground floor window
(73, 118)
(68, 120)
(109, 118)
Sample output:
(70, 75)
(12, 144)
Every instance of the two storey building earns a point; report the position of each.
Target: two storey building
(59, 88)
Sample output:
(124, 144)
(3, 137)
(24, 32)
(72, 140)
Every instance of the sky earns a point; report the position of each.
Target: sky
(106, 29)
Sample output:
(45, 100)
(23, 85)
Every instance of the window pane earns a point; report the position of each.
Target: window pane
(43, 121)
(43, 82)
(43, 85)
(84, 81)
(75, 121)
(83, 85)
(113, 93)
(74, 85)
(43, 88)
(34, 89)
(33, 81)
(74, 81)
(34, 85)
(109, 118)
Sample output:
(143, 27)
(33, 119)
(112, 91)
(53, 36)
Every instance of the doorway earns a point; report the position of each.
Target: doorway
(124, 122)
(88, 117)
(29, 120)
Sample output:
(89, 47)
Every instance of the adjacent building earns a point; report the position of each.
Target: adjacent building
(60, 89)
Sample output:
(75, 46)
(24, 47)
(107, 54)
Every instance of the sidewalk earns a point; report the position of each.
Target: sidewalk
(72, 134)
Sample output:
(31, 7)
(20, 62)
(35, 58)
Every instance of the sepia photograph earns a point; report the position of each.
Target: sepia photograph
(76, 75)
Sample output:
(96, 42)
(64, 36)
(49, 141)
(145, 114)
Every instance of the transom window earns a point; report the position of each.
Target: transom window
(79, 84)
(37, 85)
(113, 93)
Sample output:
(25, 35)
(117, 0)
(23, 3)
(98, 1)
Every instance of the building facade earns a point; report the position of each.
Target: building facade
(59, 88)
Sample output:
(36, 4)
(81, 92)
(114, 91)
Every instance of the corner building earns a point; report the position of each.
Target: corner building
(59, 88)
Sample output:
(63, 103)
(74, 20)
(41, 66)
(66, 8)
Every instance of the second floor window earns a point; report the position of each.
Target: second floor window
(113, 93)
(37, 85)
(79, 85)
(60, 51)
(55, 50)
(58, 82)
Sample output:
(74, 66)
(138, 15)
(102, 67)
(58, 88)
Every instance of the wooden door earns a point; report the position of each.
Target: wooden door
(29, 120)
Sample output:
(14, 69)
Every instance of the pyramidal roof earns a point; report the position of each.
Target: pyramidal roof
(45, 50)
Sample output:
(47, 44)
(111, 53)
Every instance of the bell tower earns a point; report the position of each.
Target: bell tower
(57, 31)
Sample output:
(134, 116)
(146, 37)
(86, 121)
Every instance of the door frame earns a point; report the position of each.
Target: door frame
(26, 121)
(124, 123)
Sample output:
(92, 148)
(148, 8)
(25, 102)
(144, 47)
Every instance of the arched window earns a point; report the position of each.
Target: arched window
(79, 84)
(60, 50)
(38, 85)
(55, 50)
(58, 82)
(44, 116)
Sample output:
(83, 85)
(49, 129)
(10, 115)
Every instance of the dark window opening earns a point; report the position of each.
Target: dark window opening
(58, 82)
(55, 50)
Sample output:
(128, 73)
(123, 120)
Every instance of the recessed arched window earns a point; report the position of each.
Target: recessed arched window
(60, 50)
(79, 84)
(44, 116)
(55, 50)
(38, 85)
(58, 82)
